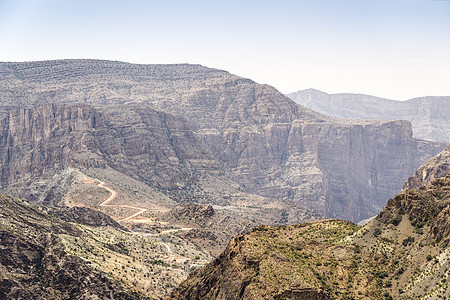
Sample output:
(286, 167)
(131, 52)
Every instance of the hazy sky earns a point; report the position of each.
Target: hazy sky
(396, 49)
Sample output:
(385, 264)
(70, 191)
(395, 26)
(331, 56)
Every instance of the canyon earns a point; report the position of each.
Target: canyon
(195, 134)
(402, 254)
(133, 177)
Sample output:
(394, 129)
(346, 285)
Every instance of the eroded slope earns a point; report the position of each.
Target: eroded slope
(87, 256)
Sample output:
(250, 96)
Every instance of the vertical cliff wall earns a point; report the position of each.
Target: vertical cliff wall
(207, 119)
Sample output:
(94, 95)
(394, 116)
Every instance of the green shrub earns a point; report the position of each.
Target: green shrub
(395, 221)
(381, 274)
(408, 241)
(376, 232)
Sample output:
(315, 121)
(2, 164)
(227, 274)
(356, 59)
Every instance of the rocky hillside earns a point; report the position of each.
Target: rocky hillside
(434, 168)
(402, 254)
(35, 263)
(197, 135)
(428, 115)
(287, 262)
(80, 253)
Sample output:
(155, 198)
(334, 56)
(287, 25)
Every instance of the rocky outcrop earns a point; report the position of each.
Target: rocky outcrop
(206, 119)
(422, 206)
(434, 168)
(428, 115)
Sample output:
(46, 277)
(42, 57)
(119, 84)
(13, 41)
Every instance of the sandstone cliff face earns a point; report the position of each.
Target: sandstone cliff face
(252, 133)
(33, 141)
(428, 115)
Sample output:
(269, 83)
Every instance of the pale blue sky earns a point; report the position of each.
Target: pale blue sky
(388, 48)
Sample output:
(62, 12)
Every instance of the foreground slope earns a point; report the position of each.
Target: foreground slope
(306, 261)
(403, 254)
(428, 115)
(34, 262)
(80, 253)
(213, 126)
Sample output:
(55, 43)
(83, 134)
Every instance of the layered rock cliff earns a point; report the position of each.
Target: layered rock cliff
(152, 146)
(428, 115)
(251, 133)
(40, 145)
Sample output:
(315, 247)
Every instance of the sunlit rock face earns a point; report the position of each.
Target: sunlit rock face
(166, 124)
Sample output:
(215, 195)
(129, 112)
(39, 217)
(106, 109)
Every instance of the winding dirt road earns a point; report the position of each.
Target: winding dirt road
(140, 210)
(111, 197)
(168, 247)
(176, 230)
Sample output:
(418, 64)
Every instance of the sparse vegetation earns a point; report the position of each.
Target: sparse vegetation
(395, 262)
(408, 241)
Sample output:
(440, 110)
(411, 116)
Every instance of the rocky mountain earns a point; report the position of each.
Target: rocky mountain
(428, 115)
(145, 143)
(194, 134)
(434, 168)
(402, 254)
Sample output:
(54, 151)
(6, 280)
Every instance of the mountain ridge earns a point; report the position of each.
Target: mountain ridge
(256, 137)
(427, 114)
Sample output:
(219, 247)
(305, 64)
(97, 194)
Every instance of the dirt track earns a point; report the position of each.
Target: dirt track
(112, 197)
(140, 210)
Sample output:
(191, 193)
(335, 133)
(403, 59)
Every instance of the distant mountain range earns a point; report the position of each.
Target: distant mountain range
(429, 116)
(195, 134)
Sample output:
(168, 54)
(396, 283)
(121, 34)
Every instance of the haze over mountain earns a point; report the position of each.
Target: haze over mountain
(195, 134)
(429, 116)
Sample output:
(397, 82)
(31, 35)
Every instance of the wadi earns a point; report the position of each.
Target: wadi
(121, 180)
